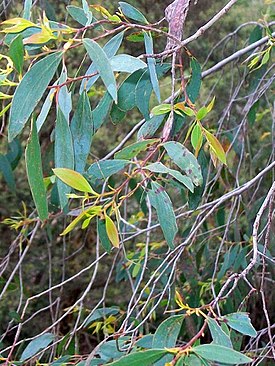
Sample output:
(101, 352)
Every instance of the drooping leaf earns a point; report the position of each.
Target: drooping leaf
(45, 108)
(166, 336)
(16, 53)
(103, 66)
(215, 146)
(73, 179)
(111, 231)
(110, 48)
(104, 169)
(105, 241)
(166, 216)
(149, 48)
(14, 153)
(133, 150)
(6, 170)
(77, 14)
(196, 138)
(126, 63)
(185, 160)
(17, 25)
(30, 91)
(218, 335)
(193, 87)
(36, 345)
(144, 358)
(241, 322)
(35, 174)
(27, 9)
(64, 96)
(64, 154)
(101, 111)
(132, 13)
(216, 353)
(149, 128)
(160, 168)
(82, 131)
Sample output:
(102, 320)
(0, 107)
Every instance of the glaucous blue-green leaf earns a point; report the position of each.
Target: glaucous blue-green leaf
(149, 128)
(36, 345)
(149, 48)
(82, 131)
(63, 153)
(240, 322)
(166, 336)
(126, 63)
(117, 114)
(144, 358)
(161, 168)
(110, 48)
(102, 233)
(78, 14)
(133, 150)
(61, 361)
(27, 9)
(64, 96)
(87, 12)
(30, 91)
(185, 160)
(6, 170)
(195, 198)
(218, 335)
(45, 108)
(144, 89)
(35, 174)
(132, 13)
(113, 349)
(101, 111)
(101, 313)
(191, 360)
(216, 353)
(166, 216)
(103, 66)
(14, 153)
(146, 341)
(16, 53)
(105, 168)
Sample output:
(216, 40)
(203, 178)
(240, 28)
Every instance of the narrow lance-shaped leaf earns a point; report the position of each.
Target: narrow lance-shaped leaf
(34, 173)
(145, 358)
(30, 91)
(163, 205)
(73, 179)
(132, 13)
(27, 9)
(64, 155)
(133, 150)
(36, 345)
(149, 48)
(103, 66)
(16, 53)
(216, 353)
(82, 131)
(215, 146)
(111, 231)
(6, 170)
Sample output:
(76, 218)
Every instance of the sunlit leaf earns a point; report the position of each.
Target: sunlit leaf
(17, 25)
(73, 179)
(161, 109)
(215, 146)
(112, 232)
(88, 213)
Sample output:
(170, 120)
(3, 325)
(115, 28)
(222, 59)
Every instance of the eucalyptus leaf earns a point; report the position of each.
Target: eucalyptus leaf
(149, 48)
(36, 345)
(144, 358)
(216, 353)
(132, 13)
(241, 322)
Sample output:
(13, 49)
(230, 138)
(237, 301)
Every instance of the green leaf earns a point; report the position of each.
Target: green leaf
(216, 353)
(103, 66)
(196, 138)
(101, 111)
(211, 105)
(30, 91)
(160, 168)
(64, 154)
(101, 229)
(215, 146)
(132, 13)
(218, 335)
(144, 358)
(16, 53)
(82, 131)
(185, 160)
(45, 109)
(161, 109)
(104, 169)
(6, 169)
(111, 231)
(166, 336)
(192, 360)
(73, 179)
(88, 213)
(133, 150)
(35, 174)
(27, 9)
(149, 48)
(36, 345)
(126, 63)
(202, 113)
(77, 14)
(194, 85)
(110, 48)
(149, 128)
(166, 216)
(240, 322)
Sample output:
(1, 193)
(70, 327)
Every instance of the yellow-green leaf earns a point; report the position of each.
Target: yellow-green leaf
(17, 25)
(89, 213)
(211, 105)
(161, 109)
(74, 180)
(112, 232)
(215, 146)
